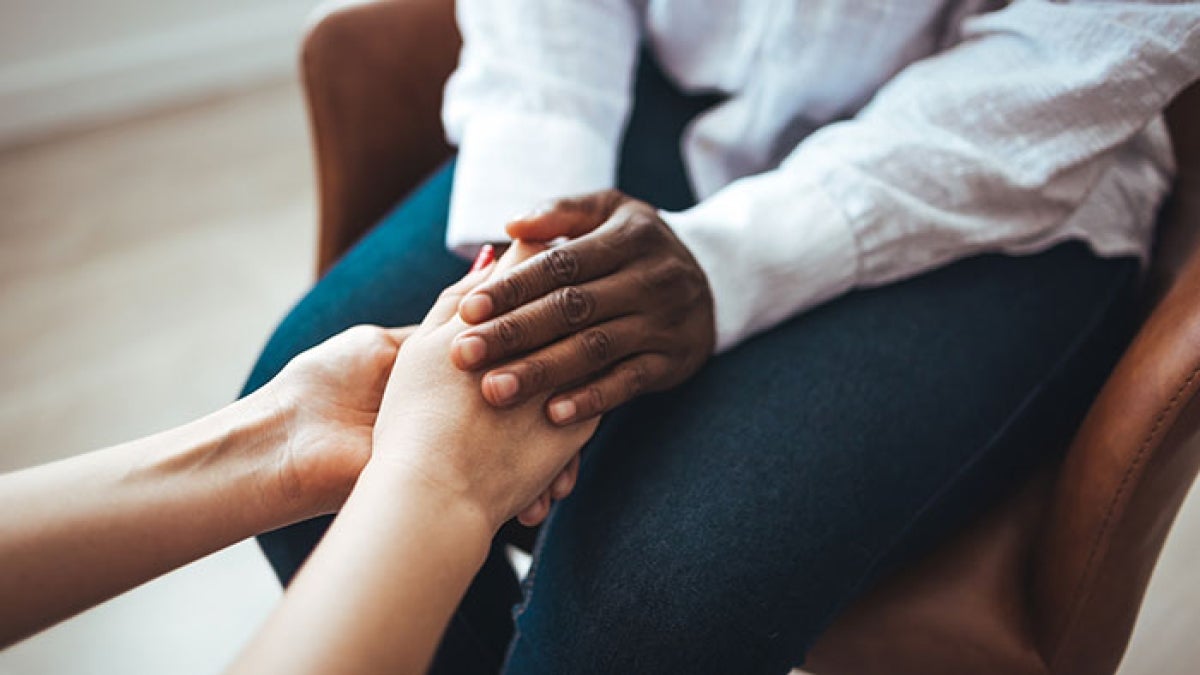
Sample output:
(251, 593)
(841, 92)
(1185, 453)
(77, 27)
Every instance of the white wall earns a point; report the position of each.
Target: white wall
(71, 63)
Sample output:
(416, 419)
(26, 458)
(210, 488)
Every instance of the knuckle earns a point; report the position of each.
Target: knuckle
(535, 374)
(694, 280)
(365, 331)
(447, 294)
(561, 265)
(627, 237)
(674, 271)
(510, 291)
(610, 199)
(665, 277)
(637, 380)
(593, 399)
(370, 340)
(573, 205)
(575, 305)
(643, 230)
(597, 345)
(379, 339)
(509, 332)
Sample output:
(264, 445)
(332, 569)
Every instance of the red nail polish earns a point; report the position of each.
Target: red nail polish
(487, 255)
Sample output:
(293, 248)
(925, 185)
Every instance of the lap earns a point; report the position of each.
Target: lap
(723, 524)
(719, 527)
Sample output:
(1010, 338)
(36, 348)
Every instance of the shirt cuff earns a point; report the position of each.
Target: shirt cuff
(771, 247)
(509, 164)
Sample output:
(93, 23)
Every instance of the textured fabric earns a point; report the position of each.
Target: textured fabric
(719, 527)
(861, 141)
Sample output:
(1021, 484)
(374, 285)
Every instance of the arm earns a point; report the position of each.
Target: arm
(79, 531)
(538, 82)
(1042, 124)
(446, 471)
(371, 599)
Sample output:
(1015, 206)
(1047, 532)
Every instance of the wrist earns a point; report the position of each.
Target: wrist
(263, 426)
(435, 492)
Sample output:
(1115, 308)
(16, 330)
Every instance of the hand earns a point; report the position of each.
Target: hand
(436, 428)
(329, 397)
(620, 310)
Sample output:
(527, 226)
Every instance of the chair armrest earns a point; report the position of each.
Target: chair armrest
(1132, 461)
(373, 74)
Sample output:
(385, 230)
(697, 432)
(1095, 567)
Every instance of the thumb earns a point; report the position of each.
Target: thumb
(400, 334)
(572, 217)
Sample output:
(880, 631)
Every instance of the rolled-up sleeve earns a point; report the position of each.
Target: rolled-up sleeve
(537, 106)
(1043, 123)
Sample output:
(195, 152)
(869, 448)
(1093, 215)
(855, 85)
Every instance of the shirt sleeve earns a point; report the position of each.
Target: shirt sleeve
(1045, 120)
(537, 106)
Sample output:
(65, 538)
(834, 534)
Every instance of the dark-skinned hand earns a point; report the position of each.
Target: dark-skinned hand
(620, 309)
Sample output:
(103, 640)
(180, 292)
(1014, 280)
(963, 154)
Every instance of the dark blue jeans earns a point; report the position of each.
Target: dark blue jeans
(721, 526)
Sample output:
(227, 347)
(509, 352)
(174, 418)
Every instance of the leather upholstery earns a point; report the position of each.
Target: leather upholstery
(1050, 580)
(373, 75)
(1074, 551)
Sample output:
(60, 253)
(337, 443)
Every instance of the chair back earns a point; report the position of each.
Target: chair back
(1136, 454)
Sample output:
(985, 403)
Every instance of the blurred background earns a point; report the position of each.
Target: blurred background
(156, 220)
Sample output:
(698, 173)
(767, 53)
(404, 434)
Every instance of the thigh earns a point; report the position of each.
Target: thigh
(389, 278)
(721, 526)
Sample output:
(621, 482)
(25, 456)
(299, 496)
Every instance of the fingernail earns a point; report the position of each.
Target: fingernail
(471, 350)
(504, 386)
(486, 255)
(562, 411)
(476, 308)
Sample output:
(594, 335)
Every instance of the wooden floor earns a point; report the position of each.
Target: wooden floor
(141, 268)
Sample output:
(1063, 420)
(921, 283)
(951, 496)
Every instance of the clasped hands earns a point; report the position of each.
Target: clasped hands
(553, 337)
(437, 433)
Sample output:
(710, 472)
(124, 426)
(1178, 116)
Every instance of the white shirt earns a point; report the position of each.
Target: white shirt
(863, 141)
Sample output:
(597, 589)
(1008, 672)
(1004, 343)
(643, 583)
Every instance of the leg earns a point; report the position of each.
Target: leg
(721, 526)
(391, 278)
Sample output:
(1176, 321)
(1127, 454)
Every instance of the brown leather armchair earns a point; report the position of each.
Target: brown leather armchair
(1050, 580)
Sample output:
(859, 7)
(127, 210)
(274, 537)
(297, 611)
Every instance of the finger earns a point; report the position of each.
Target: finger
(446, 305)
(516, 253)
(571, 217)
(400, 334)
(487, 254)
(571, 264)
(627, 380)
(556, 315)
(536, 512)
(529, 516)
(569, 360)
(565, 482)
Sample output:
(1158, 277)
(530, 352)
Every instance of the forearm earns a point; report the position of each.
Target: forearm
(1032, 130)
(378, 592)
(77, 532)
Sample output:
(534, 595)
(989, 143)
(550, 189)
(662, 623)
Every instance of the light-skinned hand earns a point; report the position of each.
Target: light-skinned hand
(435, 425)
